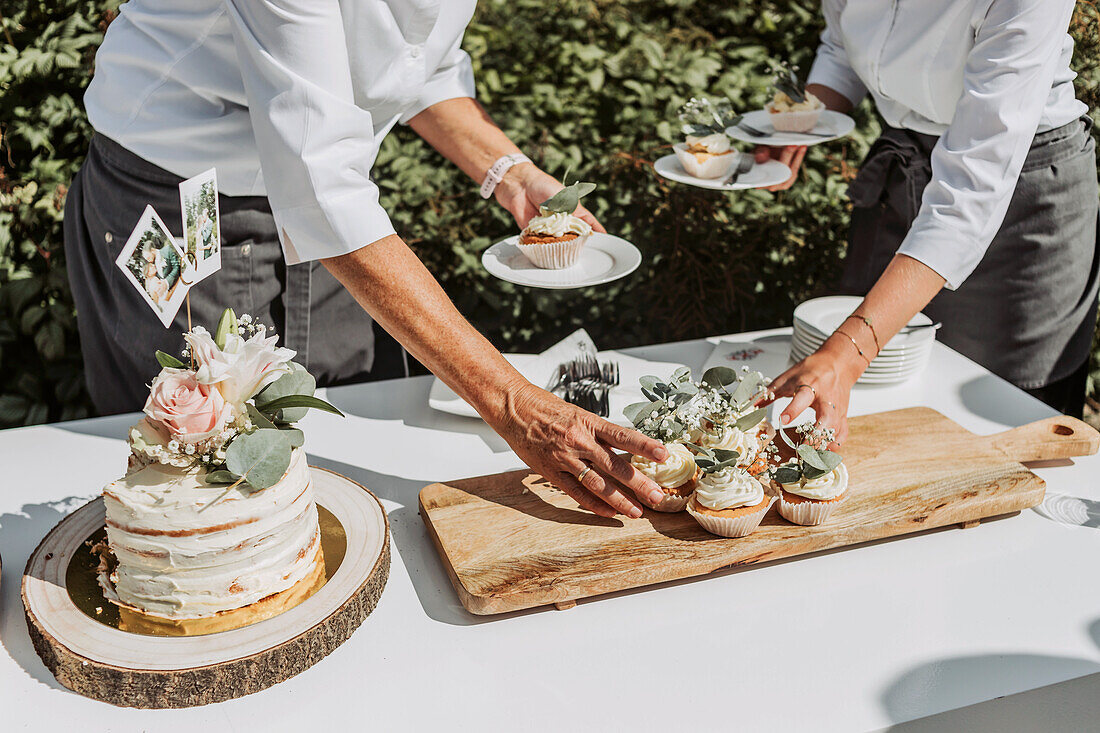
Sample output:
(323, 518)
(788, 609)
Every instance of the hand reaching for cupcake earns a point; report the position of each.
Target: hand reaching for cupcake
(526, 187)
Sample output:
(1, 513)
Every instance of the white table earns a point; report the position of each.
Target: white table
(855, 639)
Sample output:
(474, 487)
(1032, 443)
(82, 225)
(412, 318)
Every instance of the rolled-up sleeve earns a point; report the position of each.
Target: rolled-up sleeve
(831, 67)
(977, 161)
(316, 146)
(452, 79)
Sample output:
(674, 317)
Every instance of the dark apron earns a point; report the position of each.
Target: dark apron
(1028, 311)
(309, 309)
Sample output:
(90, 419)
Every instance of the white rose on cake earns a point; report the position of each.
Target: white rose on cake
(243, 367)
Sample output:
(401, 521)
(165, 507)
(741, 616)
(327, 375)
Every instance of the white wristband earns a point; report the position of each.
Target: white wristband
(497, 171)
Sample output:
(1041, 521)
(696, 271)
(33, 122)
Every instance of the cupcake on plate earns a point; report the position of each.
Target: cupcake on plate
(676, 476)
(792, 108)
(706, 153)
(728, 500)
(554, 239)
(814, 482)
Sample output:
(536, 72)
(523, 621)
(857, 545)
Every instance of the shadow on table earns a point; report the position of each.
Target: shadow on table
(414, 546)
(984, 396)
(1072, 511)
(371, 401)
(19, 535)
(1056, 693)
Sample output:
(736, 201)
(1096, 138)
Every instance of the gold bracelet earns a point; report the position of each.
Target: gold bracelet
(874, 334)
(849, 337)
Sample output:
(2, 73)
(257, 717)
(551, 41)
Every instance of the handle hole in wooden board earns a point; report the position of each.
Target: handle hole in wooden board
(1062, 430)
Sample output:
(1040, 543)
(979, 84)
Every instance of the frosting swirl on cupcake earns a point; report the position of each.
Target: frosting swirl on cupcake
(728, 489)
(783, 103)
(715, 144)
(557, 224)
(673, 472)
(822, 488)
(730, 438)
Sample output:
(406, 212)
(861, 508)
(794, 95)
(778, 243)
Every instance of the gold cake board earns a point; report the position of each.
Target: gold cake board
(94, 658)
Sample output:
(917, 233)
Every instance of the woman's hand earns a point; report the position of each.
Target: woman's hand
(822, 381)
(790, 156)
(525, 187)
(563, 442)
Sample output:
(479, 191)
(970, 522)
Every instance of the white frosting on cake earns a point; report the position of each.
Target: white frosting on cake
(728, 489)
(188, 549)
(822, 488)
(557, 224)
(671, 473)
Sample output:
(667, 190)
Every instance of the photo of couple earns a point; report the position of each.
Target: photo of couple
(155, 265)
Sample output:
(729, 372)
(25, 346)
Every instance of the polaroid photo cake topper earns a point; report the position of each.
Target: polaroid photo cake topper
(201, 225)
(156, 266)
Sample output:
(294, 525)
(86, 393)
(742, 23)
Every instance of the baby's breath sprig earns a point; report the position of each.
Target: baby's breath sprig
(701, 116)
(787, 81)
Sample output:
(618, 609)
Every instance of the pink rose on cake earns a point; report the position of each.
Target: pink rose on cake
(243, 367)
(189, 410)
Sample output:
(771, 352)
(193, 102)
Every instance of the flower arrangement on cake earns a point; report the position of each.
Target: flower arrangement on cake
(698, 421)
(555, 238)
(792, 108)
(706, 151)
(214, 524)
(814, 481)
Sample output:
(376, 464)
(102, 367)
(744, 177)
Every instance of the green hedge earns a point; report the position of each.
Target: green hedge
(584, 85)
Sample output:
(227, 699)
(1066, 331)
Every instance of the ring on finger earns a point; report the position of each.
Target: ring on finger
(582, 474)
(807, 386)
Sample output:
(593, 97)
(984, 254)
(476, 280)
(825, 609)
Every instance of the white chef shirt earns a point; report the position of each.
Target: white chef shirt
(984, 75)
(286, 98)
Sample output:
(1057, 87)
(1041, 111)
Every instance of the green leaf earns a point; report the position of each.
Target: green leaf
(167, 360)
(749, 386)
(566, 200)
(259, 420)
(639, 411)
(296, 437)
(825, 460)
(261, 457)
(719, 376)
(683, 374)
(810, 472)
(649, 381)
(297, 382)
(226, 326)
(787, 474)
(299, 400)
(221, 477)
(751, 420)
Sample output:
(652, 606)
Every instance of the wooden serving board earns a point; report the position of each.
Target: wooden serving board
(134, 670)
(511, 541)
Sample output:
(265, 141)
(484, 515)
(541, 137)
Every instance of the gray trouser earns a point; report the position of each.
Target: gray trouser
(1028, 312)
(309, 309)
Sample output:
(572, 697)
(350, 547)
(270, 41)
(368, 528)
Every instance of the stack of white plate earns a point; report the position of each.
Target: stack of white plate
(901, 357)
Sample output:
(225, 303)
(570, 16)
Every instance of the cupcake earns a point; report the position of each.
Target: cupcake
(676, 476)
(709, 156)
(811, 501)
(814, 482)
(792, 108)
(554, 239)
(706, 153)
(729, 502)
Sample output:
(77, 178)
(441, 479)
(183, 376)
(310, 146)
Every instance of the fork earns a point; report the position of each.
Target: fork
(744, 165)
(753, 132)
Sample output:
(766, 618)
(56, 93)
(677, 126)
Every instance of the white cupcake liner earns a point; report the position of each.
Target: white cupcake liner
(555, 255)
(715, 166)
(799, 121)
(738, 526)
(670, 503)
(808, 513)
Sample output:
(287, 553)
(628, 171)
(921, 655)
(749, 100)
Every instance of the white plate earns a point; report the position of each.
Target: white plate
(771, 173)
(825, 315)
(604, 258)
(631, 369)
(894, 357)
(837, 124)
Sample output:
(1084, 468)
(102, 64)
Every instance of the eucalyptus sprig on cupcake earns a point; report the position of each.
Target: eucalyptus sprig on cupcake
(729, 418)
(706, 153)
(792, 108)
(660, 417)
(814, 481)
(555, 238)
(728, 500)
(229, 412)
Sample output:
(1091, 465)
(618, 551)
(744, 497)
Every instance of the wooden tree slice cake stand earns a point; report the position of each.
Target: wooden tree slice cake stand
(135, 670)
